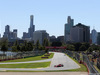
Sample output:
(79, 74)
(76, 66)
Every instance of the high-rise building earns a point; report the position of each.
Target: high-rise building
(80, 33)
(32, 27)
(94, 36)
(68, 26)
(40, 35)
(15, 33)
(98, 38)
(76, 34)
(60, 39)
(53, 38)
(7, 32)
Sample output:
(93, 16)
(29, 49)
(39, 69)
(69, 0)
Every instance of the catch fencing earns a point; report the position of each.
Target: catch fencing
(20, 55)
(84, 58)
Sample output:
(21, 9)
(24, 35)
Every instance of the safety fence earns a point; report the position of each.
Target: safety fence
(84, 59)
(20, 55)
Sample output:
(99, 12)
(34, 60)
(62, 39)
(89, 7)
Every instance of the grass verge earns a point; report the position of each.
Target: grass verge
(30, 58)
(26, 65)
(96, 68)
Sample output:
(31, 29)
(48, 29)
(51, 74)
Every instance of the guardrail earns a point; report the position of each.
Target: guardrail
(21, 55)
(85, 60)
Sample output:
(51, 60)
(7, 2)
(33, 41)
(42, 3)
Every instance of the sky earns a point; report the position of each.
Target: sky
(49, 15)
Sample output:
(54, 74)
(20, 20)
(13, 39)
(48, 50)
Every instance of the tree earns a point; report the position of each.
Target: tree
(4, 48)
(37, 44)
(14, 49)
(22, 48)
(87, 45)
(82, 48)
(77, 46)
(4, 44)
(16, 43)
(3, 41)
(71, 47)
(29, 46)
(18, 48)
(90, 49)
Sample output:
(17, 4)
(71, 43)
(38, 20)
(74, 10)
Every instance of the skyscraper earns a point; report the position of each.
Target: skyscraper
(40, 35)
(32, 27)
(94, 36)
(80, 33)
(15, 33)
(68, 26)
(7, 32)
(98, 38)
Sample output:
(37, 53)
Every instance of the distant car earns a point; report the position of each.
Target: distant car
(59, 65)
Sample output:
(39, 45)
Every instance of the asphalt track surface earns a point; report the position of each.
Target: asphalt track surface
(59, 58)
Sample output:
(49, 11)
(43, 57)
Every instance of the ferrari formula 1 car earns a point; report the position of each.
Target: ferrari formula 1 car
(59, 65)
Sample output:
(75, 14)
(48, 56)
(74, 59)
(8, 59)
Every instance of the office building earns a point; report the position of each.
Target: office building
(60, 39)
(68, 26)
(7, 32)
(94, 36)
(76, 34)
(32, 27)
(98, 38)
(53, 38)
(80, 33)
(40, 35)
(29, 36)
(15, 33)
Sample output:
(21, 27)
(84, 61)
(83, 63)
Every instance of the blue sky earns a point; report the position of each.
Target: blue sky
(50, 15)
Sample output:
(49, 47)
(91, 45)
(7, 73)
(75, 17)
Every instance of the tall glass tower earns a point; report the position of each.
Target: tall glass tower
(68, 26)
(32, 27)
(94, 36)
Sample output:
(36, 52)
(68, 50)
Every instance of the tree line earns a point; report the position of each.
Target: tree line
(23, 47)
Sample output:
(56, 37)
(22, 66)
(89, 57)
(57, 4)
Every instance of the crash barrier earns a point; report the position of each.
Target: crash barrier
(85, 61)
(20, 55)
(98, 63)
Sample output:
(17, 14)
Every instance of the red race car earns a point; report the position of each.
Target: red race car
(59, 65)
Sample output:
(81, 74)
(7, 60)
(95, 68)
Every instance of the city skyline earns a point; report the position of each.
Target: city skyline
(48, 14)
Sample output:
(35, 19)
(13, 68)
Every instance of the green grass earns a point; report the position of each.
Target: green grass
(81, 69)
(96, 68)
(26, 65)
(30, 58)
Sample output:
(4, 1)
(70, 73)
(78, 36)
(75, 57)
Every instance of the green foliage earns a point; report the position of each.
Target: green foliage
(95, 47)
(3, 41)
(45, 42)
(71, 47)
(87, 45)
(37, 44)
(82, 48)
(4, 44)
(14, 49)
(4, 48)
(29, 46)
(22, 48)
(90, 49)
(77, 46)
(16, 43)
